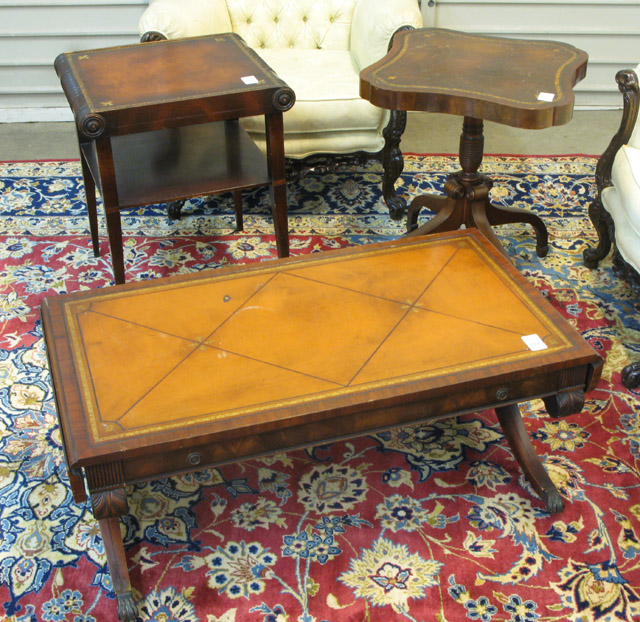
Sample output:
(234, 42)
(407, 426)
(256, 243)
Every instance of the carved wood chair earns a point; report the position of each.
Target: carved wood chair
(615, 212)
(318, 47)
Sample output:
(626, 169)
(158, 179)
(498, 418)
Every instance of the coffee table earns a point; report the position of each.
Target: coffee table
(158, 122)
(176, 374)
(516, 82)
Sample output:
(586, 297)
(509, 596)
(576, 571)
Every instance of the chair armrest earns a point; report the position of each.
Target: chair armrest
(375, 22)
(627, 81)
(174, 19)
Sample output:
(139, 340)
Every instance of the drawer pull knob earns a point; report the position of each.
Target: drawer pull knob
(194, 458)
(502, 394)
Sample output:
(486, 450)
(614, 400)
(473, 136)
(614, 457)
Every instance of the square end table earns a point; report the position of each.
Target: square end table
(158, 122)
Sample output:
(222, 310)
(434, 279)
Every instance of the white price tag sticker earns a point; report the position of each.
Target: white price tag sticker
(249, 79)
(534, 343)
(545, 97)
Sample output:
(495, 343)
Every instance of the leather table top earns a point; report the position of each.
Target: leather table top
(372, 324)
(519, 82)
(167, 71)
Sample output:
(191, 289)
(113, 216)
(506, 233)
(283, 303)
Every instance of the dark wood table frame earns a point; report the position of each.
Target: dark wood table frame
(158, 122)
(521, 83)
(433, 347)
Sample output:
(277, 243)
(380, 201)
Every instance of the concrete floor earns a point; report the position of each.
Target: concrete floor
(589, 132)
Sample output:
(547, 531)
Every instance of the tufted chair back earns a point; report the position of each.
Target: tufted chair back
(317, 46)
(302, 24)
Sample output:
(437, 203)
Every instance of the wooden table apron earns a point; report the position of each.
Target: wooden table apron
(517, 82)
(413, 340)
(158, 122)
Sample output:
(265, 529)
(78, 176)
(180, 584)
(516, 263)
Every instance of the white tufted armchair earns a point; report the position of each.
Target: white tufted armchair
(318, 47)
(615, 212)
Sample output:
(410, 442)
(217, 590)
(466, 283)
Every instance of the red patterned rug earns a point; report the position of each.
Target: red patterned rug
(423, 523)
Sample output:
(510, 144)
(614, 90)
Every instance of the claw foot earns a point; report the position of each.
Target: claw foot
(127, 610)
(552, 500)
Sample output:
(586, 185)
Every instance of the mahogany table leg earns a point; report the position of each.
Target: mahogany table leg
(92, 210)
(513, 427)
(280, 220)
(237, 204)
(463, 189)
(277, 172)
(447, 217)
(109, 188)
(109, 502)
(452, 205)
(480, 220)
(117, 561)
(506, 215)
(114, 228)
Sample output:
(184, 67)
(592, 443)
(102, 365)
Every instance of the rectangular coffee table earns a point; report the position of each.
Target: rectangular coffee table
(158, 122)
(170, 375)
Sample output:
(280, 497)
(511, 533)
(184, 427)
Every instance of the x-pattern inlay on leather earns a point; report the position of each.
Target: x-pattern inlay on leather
(296, 332)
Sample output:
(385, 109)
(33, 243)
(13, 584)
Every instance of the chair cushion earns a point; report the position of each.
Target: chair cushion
(622, 201)
(326, 84)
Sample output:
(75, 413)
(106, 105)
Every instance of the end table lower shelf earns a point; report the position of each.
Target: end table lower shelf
(172, 165)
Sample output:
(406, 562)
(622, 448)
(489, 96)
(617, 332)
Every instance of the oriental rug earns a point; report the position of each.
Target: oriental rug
(426, 523)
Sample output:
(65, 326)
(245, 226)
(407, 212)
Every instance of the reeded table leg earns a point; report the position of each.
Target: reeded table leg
(511, 421)
(109, 502)
(467, 198)
(116, 559)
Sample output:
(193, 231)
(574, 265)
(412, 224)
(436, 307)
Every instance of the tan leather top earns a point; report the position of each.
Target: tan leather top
(172, 353)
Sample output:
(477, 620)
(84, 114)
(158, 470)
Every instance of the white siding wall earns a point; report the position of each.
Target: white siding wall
(608, 31)
(34, 32)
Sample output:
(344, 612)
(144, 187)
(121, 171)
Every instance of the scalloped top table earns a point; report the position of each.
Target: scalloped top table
(516, 82)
